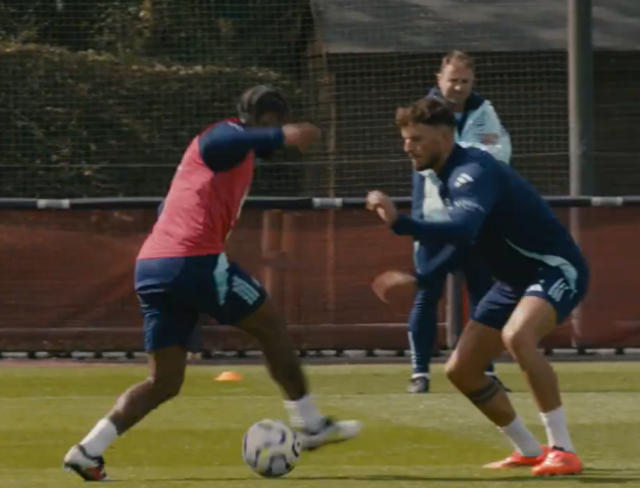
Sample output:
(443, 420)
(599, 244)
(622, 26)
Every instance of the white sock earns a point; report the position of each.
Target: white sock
(555, 423)
(304, 413)
(100, 437)
(419, 375)
(523, 440)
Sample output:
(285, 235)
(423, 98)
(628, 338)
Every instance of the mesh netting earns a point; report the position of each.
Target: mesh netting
(100, 98)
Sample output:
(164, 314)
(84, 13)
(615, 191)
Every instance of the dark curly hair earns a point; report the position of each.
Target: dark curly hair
(427, 111)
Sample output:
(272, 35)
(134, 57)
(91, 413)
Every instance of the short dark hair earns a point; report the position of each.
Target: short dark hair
(260, 99)
(427, 111)
(459, 56)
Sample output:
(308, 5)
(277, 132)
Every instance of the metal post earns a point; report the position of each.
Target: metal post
(580, 49)
(332, 217)
(581, 171)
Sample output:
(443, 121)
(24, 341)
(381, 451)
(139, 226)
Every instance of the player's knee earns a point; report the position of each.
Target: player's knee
(518, 339)
(532, 320)
(465, 373)
(456, 371)
(264, 324)
(451, 370)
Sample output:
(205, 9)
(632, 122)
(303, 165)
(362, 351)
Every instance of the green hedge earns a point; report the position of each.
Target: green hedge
(100, 99)
(258, 32)
(70, 123)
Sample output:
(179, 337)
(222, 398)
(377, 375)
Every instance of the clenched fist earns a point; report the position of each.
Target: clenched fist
(380, 203)
(395, 287)
(301, 135)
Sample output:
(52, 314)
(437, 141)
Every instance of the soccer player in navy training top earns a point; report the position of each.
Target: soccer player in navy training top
(478, 125)
(541, 276)
(182, 271)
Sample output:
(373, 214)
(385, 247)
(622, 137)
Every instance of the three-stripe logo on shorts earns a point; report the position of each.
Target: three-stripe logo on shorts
(244, 290)
(557, 289)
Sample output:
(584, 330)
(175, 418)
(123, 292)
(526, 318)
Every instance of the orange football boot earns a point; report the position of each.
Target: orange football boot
(559, 463)
(517, 460)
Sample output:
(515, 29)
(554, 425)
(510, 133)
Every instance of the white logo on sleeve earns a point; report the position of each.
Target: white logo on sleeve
(235, 126)
(469, 205)
(462, 179)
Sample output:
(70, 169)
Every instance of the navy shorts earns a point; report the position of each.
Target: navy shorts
(477, 275)
(173, 292)
(563, 290)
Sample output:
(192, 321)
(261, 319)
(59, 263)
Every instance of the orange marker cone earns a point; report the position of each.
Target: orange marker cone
(229, 376)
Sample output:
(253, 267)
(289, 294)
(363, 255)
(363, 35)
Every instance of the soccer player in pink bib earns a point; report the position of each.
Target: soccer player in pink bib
(182, 271)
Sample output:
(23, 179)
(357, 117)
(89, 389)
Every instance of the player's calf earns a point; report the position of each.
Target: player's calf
(279, 351)
(481, 390)
(478, 346)
(534, 318)
(164, 383)
(285, 368)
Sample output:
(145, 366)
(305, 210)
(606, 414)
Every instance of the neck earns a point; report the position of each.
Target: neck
(438, 168)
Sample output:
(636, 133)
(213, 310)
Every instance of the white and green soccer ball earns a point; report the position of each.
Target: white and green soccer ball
(271, 448)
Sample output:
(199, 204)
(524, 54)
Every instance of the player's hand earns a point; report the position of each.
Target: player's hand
(301, 135)
(383, 206)
(395, 287)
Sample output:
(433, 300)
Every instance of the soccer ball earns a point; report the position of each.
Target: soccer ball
(271, 448)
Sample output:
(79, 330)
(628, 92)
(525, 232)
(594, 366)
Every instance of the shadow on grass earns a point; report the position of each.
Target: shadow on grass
(590, 477)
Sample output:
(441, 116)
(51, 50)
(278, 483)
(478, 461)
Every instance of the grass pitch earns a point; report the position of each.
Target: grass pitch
(409, 440)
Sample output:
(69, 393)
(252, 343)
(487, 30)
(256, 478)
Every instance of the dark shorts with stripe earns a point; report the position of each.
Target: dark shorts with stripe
(563, 290)
(174, 292)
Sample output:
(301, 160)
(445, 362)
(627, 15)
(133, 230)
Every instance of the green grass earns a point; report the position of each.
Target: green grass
(409, 441)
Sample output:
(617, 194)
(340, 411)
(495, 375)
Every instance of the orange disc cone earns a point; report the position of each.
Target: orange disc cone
(229, 376)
